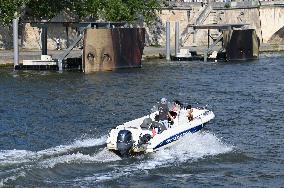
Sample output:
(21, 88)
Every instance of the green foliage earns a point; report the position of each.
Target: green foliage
(86, 8)
(122, 10)
(10, 9)
(107, 10)
(115, 10)
(44, 9)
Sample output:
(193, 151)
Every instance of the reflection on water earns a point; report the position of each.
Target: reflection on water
(53, 126)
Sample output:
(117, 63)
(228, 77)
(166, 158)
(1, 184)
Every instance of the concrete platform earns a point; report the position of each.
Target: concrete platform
(6, 56)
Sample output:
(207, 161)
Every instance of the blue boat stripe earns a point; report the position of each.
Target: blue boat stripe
(179, 135)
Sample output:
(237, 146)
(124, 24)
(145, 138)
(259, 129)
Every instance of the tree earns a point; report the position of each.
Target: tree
(107, 10)
(44, 9)
(10, 9)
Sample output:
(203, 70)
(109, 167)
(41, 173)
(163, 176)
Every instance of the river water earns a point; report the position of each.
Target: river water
(53, 127)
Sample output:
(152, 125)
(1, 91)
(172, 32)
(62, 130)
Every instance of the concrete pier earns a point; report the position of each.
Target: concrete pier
(44, 40)
(16, 41)
(177, 38)
(168, 48)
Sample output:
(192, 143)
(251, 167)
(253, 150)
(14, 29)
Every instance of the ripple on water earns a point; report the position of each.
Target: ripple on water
(42, 113)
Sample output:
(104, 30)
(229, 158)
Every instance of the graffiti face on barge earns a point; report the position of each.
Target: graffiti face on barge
(99, 52)
(109, 49)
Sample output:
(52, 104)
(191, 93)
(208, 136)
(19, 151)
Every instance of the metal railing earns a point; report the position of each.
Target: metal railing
(208, 50)
(199, 20)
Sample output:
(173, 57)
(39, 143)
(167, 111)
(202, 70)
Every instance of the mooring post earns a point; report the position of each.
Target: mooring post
(168, 49)
(67, 37)
(194, 37)
(208, 38)
(177, 38)
(205, 56)
(60, 66)
(16, 41)
(44, 40)
(208, 44)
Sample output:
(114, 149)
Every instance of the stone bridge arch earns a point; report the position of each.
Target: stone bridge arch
(272, 23)
(277, 37)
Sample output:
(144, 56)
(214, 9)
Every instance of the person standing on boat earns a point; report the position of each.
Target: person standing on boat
(164, 113)
(189, 114)
(176, 109)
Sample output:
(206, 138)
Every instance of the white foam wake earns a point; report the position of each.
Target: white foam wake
(8, 157)
(102, 156)
(192, 148)
(49, 158)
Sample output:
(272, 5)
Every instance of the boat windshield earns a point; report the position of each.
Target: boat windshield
(154, 108)
(173, 106)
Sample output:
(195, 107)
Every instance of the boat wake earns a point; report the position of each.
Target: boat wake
(10, 157)
(17, 163)
(192, 148)
(189, 149)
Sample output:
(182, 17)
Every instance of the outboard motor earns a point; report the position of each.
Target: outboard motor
(124, 142)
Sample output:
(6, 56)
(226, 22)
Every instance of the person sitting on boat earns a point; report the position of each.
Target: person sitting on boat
(189, 114)
(164, 113)
(177, 106)
(176, 109)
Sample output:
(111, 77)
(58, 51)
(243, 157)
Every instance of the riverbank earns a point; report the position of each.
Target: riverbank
(150, 52)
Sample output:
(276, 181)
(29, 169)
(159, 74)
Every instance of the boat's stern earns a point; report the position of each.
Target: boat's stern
(128, 139)
(120, 140)
(112, 140)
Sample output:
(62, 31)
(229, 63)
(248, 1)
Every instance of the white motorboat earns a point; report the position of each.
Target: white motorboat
(147, 135)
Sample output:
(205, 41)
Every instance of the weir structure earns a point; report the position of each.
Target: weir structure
(124, 47)
(237, 43)
(230, 44)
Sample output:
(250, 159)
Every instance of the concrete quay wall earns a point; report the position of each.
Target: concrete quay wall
(267, 20)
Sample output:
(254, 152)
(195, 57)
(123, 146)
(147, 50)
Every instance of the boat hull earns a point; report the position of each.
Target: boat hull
(181, 127)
